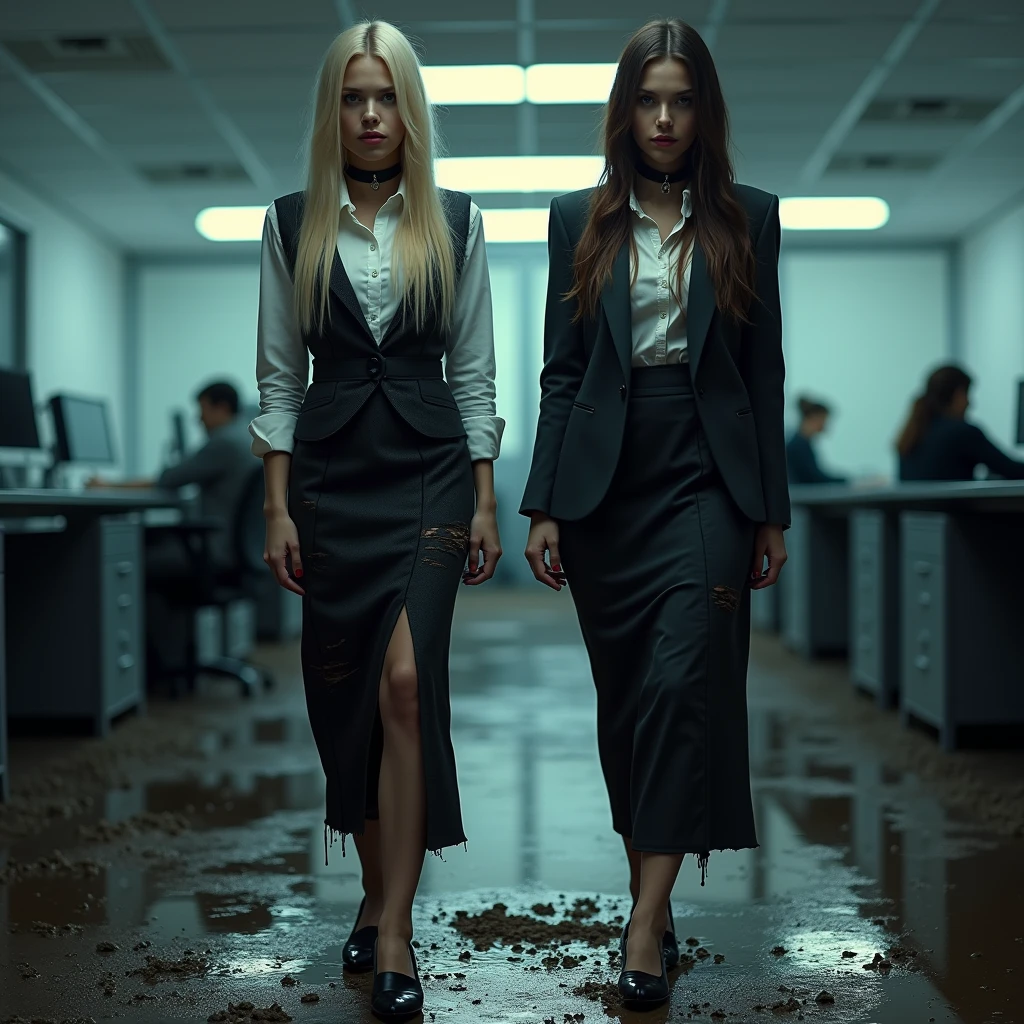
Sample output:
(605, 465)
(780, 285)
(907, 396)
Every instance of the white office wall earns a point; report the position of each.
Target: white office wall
(861, 330)
(196, 323)
(75, 305)
(991, 322)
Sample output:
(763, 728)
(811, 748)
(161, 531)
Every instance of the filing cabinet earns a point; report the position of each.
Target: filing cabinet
(83, 658)
(961, 616)
(875, 604)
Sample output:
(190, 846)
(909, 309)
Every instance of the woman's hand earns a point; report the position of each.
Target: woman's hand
(483, 536)
(768, 543)
(544, 538)
(282, 541)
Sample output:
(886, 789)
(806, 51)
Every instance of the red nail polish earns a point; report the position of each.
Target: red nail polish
(298, 572)
(557, 568)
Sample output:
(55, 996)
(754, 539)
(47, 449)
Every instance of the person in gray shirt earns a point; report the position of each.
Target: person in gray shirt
(220, 469)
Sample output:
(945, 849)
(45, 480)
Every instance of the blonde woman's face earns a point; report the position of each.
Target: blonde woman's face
(372, 131)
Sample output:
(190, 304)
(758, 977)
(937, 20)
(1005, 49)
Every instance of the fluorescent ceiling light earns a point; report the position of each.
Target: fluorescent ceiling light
(523, 225)
(569, 83)
(519, 173)
(833, 213)
(475, 83)
(231, 223)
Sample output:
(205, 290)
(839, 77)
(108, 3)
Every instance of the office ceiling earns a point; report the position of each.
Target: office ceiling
(203, 102)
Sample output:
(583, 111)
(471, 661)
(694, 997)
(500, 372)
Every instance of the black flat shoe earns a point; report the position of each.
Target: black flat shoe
(396, 997)
(638, 989)
(357, 953)
(669, 944)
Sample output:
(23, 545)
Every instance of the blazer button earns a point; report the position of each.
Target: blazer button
(622, 391)
(700, 392)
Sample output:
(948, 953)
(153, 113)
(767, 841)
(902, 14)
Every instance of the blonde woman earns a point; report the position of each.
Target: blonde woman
(379, 475)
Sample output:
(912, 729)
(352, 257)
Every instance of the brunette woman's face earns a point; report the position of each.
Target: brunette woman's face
(372, 131)
(664, 117)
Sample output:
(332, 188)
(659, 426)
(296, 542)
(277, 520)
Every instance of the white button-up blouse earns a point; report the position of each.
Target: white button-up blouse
(282, 360)
(659, 316)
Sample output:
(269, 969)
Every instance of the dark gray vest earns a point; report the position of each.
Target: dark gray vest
(348, 365)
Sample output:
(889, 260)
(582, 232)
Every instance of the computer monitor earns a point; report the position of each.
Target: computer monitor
(178, 442)
(81, 430)
(19, 432)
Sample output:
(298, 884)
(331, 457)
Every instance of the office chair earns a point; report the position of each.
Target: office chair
(219, 587)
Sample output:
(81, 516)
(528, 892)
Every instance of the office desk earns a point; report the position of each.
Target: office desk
(74, 602)
(920, 583)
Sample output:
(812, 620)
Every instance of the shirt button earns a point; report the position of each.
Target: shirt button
(374, 274)
(373, 248)
(373, 317)
(664, 315)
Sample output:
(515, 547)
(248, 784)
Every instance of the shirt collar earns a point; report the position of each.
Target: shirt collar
(345, 200)
(685, 204)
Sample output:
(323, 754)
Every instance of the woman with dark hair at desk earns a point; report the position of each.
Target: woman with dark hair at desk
(801, 461)
(937, 443)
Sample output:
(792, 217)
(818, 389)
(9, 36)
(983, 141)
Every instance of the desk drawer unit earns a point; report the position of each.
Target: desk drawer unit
(122, 617)
(74, 636)
(961, 611)
(866, 612)
(924, 617)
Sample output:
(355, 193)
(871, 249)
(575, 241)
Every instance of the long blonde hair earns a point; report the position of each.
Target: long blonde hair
(424, 259)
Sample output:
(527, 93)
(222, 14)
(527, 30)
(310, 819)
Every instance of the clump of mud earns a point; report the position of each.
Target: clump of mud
(604, 992)
(244, 1012)
(48, 1020)
(55, 931)
(495, 925)
(159, 969)
(58, 864)
(166, 823)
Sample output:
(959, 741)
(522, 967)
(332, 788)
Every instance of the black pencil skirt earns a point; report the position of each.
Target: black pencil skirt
(659, 573)
(383, 515)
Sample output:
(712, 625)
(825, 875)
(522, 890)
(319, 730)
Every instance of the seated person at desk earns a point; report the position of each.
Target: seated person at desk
(939, 444)
(801, 461)
(220, 469)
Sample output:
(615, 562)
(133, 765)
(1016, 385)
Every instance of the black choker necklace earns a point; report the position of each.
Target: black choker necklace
(373, 178)
(645, 170)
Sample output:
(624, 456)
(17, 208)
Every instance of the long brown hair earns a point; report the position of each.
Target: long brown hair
(942, 385)
(719, 221)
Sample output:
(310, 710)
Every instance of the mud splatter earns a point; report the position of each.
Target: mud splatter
(726, 598)
(167, 823)
(57, 865)
(159, 969)
(495, 925)
(243, 1012)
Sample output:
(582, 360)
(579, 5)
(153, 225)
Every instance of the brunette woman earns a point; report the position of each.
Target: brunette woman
(658, 483)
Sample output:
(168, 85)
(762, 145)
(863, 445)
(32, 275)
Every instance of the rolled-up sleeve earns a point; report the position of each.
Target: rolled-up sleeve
(282, 361)
(469, 358)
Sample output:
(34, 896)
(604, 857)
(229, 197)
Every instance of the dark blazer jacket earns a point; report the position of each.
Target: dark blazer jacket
(737, 369)
(348, 365)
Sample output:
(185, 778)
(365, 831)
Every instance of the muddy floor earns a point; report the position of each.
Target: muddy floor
(175, 871)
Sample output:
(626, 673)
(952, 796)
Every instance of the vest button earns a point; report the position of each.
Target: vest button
(373, 366)
(622, 391)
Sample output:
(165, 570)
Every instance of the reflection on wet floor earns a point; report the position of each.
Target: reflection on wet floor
(221, 854)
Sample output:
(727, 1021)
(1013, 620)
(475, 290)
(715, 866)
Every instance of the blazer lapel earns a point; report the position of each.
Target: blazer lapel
(615, 300)
(342, 287)
(700, 307)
